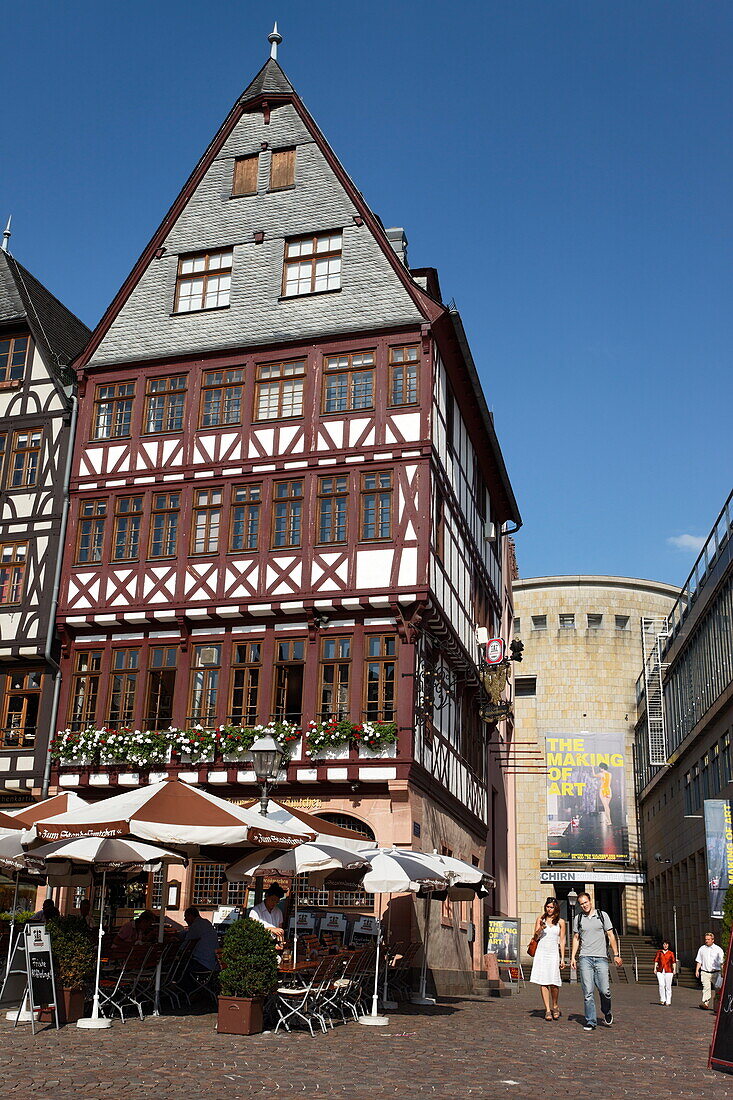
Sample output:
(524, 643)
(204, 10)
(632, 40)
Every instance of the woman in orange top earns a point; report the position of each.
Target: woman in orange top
(664, 964)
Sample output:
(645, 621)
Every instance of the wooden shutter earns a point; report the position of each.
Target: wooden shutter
(245, 175)
(282, 169)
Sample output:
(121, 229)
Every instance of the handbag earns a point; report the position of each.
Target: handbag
(532, 947)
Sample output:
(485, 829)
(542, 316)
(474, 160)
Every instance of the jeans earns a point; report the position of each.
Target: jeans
(593, 971)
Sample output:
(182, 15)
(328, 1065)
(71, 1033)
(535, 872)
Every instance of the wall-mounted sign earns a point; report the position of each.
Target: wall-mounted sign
(494, 654)
(627, 878)
(586, 797)
(719, 850)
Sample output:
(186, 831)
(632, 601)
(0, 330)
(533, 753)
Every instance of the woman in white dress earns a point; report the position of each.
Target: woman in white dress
(549, 931)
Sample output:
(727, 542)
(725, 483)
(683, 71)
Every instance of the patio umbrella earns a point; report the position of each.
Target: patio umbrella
(397, 871)
(465, 882)
(99, 854)
(314, 858)
(287, 817)
(170, 812)
(27, 816)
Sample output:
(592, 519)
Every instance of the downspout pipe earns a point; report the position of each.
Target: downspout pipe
(48, 651)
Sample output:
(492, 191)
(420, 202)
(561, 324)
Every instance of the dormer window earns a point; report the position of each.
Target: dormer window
(312, 264)
(13, 356)
(204, 281)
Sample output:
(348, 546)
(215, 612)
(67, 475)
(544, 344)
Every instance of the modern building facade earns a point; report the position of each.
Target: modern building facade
(575, 712)
(39, 337)
(683, 746)
(288, 507)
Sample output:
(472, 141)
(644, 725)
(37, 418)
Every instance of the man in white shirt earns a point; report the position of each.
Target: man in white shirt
(709, 962)
(269, 914)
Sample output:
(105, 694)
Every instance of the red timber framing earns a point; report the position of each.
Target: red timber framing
(241, 557)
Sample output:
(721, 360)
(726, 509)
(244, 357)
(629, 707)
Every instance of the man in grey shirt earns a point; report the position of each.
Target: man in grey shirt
(590, 928)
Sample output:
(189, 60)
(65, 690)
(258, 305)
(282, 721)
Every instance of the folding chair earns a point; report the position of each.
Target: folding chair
(399, 976)
(174, 970)
(305, 1003)
(358, 972)
(142, 987)
(114, 986)
(311, 946)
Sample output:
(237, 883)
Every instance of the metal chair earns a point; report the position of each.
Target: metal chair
(305, 1003)
(399, 975)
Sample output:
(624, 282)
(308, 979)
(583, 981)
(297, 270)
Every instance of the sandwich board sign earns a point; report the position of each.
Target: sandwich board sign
(41, 986)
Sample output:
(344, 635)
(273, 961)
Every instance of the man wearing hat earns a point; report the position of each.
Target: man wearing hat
(269, 913)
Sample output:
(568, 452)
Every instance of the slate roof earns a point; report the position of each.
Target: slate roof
(270, 80)
(54, 327)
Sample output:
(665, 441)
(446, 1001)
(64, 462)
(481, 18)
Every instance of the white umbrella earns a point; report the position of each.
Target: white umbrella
(397, 871)
(100, 853)
(313, 858)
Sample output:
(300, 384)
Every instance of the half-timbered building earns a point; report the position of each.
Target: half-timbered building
(38, 339)
(289, 504)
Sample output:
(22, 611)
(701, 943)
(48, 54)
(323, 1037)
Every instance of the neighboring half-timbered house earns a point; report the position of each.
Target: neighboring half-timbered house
(288, 504)
(38, 339)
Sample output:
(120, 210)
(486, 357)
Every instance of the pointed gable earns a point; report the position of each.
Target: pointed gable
(23, 299)
(374, 290)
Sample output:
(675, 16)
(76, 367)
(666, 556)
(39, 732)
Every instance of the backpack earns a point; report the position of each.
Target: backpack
(600, 914)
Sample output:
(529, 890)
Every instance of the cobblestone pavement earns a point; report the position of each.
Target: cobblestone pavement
(459, 1049)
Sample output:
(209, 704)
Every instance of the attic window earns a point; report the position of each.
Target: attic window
(282, 169)
(203, 282)
(244, 181)
(13, 355)
(312, 264)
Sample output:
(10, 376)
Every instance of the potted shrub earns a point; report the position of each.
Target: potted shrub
(74, 957)
(249, 973)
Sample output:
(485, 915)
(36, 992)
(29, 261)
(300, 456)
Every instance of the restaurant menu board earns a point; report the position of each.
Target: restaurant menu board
(304, 922)
(41, 986)
(332, 922)
(721, 1048)
(503, 940)
(366, 926)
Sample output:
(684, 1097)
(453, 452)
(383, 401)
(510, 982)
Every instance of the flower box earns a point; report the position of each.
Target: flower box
(338, 752)
(381, 752)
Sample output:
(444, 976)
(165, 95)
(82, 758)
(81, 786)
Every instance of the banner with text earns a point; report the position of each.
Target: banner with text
(586, 796)
(719, 848)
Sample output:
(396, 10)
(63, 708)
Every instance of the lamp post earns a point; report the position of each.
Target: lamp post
(266, 756)
(572, 900)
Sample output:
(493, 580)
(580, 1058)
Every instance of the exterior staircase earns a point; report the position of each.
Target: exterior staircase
(644, 948)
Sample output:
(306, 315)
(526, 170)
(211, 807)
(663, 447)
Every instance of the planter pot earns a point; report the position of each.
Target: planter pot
(195, 758)
(385, 752)
(240, 1015)
(237, 756)
(71, 1008)
(338, 752)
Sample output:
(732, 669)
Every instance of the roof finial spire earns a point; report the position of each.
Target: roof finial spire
(274, 38)
(6, 235)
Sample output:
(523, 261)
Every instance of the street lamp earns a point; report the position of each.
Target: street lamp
(266, 756)
(572, 900)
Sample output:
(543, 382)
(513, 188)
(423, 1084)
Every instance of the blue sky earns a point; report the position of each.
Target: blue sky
(566, 165)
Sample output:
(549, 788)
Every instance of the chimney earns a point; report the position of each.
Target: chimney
(398, 240)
